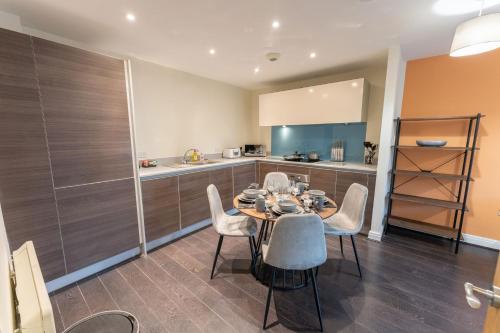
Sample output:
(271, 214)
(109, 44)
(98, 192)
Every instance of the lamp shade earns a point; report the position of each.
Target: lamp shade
(478, 35)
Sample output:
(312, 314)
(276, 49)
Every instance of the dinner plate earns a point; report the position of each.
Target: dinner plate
(243, 198)
(276, 209)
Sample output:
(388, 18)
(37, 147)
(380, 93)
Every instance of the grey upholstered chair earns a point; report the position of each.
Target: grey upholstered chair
(278, 180)
(348, 221)
(297, 243)
(227, 225)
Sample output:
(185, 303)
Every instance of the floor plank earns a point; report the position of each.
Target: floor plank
(410, 283)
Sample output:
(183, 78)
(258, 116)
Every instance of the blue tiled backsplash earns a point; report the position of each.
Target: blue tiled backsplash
(319, 138)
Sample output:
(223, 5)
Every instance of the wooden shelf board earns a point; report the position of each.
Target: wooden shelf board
(427, 201)
(430, 174)
(427, 228)
(436, 148)
(464, 117)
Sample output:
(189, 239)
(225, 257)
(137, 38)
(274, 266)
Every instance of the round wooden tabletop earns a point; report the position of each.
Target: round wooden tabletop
(252, 212)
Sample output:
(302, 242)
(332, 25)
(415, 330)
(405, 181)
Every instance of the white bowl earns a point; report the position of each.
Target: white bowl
(431, 143)
(251, 193)
(287, 205)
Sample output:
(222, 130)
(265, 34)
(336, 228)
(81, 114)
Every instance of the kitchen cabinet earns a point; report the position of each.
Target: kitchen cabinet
(193, 197)
(84, 101)
(323, 179)
(338, 102)
(98, 221)
(264, 169)
(161, 206)
(223, 180)
(243, 176)
(26, 192)
(66, 167)
(344, 180)
(293, 169)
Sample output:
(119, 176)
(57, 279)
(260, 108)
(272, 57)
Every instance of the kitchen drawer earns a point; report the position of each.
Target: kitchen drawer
(293, 169)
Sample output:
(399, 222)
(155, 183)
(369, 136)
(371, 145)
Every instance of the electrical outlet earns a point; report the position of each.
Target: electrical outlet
(141, 154)
(498, 213)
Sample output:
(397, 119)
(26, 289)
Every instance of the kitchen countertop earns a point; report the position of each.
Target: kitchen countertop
(164, 171)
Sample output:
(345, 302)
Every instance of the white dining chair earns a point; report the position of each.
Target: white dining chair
(278, 180)
(348, 221)
(227, 225)
(297, 243)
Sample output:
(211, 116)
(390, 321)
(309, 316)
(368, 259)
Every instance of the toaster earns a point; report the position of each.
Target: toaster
(231, 153)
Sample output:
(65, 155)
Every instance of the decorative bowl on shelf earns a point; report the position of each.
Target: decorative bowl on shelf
(431, 143)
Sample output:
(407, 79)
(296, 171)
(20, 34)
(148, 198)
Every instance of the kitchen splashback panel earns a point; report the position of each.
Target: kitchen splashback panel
(319, 138)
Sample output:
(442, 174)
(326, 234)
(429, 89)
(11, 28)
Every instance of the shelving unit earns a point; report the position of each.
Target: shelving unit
(459, 205)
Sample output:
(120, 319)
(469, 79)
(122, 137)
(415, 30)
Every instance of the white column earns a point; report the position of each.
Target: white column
(394, 84)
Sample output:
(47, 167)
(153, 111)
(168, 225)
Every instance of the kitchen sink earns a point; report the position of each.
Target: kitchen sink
(191, 164)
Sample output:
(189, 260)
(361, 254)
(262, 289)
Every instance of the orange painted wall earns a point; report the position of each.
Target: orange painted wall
(440, 86)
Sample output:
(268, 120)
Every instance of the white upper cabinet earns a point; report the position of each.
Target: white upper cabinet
(339, 102)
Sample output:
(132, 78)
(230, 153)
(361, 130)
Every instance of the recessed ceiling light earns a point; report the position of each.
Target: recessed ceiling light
(130, 17)
(256, 70)
(458, 7)
(311, 90)
(211, 51)
(354, 84)
(283, 126)
(275, 24)
(312, 55)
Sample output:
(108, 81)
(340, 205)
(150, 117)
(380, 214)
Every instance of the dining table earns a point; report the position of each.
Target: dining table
(287, 279)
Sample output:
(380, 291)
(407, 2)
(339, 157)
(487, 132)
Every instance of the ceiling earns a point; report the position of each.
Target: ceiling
(179, 34)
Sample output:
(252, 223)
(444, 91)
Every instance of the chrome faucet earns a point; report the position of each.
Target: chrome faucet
(185, 159)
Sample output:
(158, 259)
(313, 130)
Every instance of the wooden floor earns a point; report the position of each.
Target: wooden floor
(410, 285)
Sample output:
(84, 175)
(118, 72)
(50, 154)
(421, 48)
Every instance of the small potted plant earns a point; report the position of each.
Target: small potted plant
(370, 151)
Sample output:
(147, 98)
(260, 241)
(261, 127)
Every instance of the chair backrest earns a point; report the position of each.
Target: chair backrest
(354, 204)
(297, 242)
(278, 180)
(216, 209)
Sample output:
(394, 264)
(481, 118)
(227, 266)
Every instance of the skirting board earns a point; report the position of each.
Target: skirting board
(482, 241)
(80, 274)
(178, 234)
(375, 236)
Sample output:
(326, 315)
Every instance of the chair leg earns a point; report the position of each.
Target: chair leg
(316, 298)
(252, 251)
(341, 245)
(265, 231)
(317, 271)
(269, 294)
(306, 278)
(261, 234)
(356, 255)
(219, 245)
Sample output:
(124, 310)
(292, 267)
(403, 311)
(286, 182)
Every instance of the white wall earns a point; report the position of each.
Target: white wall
(396, 69)
(175, 111)
(375, 75)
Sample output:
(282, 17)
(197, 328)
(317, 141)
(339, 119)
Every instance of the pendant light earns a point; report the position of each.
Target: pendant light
(478, 35)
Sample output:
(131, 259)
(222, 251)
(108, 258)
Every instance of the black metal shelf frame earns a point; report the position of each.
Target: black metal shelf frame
(463, 179)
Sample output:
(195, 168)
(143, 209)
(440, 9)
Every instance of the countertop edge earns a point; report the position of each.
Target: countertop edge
(162, 171)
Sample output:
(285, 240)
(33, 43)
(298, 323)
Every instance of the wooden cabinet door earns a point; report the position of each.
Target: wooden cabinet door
(243, 176)
(223, 180)
(98, 221)
(323, 179)
(293, 169)
(26, 192)
(160, 200)
(84, 100)
(264, 169)
(193, 197)
(344, 180)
